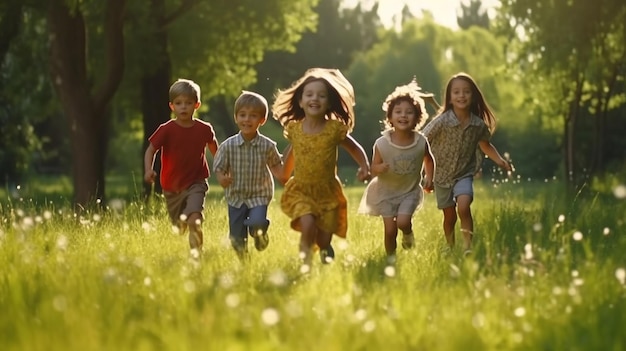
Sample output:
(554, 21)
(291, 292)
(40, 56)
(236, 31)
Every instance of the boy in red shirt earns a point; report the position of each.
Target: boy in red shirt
(184, 168)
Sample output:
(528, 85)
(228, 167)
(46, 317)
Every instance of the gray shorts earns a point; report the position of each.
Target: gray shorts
(186, 202)
(446, 196)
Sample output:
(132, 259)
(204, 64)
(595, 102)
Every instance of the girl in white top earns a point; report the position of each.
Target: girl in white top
(399, 157)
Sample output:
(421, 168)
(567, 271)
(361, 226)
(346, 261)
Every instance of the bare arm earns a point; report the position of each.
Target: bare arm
(358, 154)
(148, 163)
(212, 146)
(491, 152)
(429, 169)
(378, 165)
(288, 164)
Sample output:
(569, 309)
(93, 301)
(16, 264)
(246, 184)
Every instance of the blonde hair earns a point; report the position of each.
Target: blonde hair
(252, 100)
(185, 87)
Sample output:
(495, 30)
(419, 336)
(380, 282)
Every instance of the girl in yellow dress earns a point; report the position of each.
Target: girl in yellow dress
(317, 115)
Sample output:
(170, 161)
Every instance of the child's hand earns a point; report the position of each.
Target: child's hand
(224, 179)
(149, 176)
(380, 168)
(363, 174)
(428, 186)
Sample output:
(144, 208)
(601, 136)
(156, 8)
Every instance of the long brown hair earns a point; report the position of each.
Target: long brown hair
(478, 105)
(286, 105)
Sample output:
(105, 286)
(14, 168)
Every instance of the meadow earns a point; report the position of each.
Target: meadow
(548, 273)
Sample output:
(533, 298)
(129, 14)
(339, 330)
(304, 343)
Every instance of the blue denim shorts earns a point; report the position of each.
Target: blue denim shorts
(446, 196)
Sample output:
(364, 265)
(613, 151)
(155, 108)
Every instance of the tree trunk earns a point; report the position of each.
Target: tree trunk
(85, 111)
(155, 82)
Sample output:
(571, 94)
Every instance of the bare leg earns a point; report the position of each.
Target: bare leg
(195, 231)
(308, 237)
(467, 222)
(403, 222)
(391, 233)
(449, 221)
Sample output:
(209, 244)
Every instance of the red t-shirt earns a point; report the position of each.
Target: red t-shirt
(183, 155)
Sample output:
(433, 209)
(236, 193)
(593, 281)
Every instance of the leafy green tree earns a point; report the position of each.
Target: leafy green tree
(216, 43)
(579, 49)
(339, 35)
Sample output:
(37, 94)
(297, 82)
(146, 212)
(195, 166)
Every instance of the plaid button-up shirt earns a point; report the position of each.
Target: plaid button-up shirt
(248, 164)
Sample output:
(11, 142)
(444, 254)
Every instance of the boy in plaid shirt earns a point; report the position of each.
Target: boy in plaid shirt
(244, 165)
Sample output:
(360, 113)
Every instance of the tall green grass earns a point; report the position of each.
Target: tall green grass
(547, 273)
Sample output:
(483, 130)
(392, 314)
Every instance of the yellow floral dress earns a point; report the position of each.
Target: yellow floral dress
(314, 187)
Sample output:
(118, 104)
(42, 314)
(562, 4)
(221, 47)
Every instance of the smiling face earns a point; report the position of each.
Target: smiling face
(249, 119)
(460, 94)
(183, 107)
(315, 99)
(403, 116)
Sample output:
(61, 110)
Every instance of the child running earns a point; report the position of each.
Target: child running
(244, 165)
(399, 157)
(184, 168)
(459, 136)
(317, 115)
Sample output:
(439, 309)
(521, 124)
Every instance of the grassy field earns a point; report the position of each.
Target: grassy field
(548, 273)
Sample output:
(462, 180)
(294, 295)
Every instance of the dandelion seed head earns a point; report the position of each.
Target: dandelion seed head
(189, 286)
(578, 282)
(390, 271)
(578, 236)
(557, 290)
(59, 303)
(145, 226)
(47, 214)
(194, 253)
(183, 217)
(561, 218)
(175, 230)
(62, 242)
(147, 281)
(478, 320)
(620, 191)
(305, 268)
(574, 273)
(96, 217)
(360, 314)
(537, 227)
(606, 231)
(369, 326)
(227, 280)
(342, 244)
(620, 274)
(270, 316)
(520, 312)
(232, 300)
(278, 278)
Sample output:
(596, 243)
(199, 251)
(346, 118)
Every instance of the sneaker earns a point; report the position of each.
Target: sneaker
(261, 240)
(327, 255)
(408, 241)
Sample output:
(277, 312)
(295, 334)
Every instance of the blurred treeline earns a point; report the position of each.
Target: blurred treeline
(84, 83)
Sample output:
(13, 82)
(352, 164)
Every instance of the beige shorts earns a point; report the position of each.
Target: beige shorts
(186, 202)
